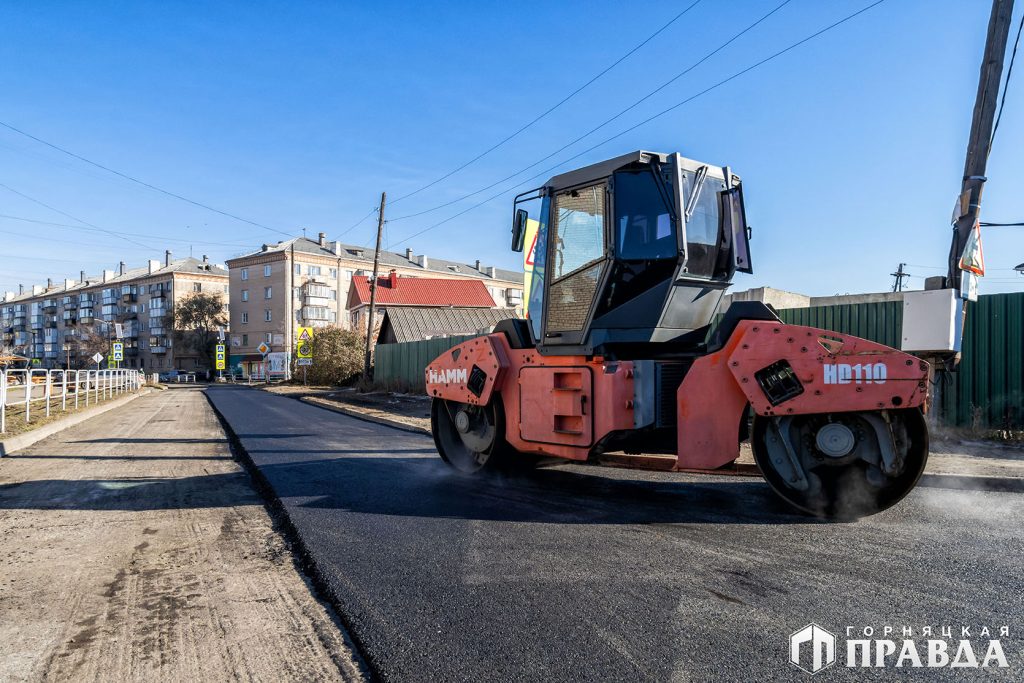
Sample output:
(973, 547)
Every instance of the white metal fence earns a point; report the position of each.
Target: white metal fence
(31, 394)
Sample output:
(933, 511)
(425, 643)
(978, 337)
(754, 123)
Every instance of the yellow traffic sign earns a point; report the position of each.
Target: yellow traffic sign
(303, 347)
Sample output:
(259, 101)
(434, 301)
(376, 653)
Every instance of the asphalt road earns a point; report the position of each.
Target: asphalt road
(591, 573)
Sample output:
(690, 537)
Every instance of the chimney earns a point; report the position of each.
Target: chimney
(265, 247)
(337, 248)
(49, 283)
(408, 254)
(167, 257)
(492, 271)
(82, 277)
(205, 259)
(21, 289)
(322, 239)
(422, 260)
(393, 279)
(154, 266)
(108, 275)
(120, 268)
(478, 264)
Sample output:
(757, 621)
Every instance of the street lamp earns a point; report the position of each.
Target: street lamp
(1020, 269)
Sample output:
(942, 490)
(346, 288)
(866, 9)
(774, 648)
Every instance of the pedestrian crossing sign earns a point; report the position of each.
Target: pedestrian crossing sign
(117, 351)
(220, 359)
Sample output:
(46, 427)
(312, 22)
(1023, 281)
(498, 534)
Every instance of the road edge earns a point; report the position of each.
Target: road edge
(359, 415)
(22, 441)
(303, 559)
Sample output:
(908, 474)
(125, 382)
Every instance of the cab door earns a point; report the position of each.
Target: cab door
(576, 260)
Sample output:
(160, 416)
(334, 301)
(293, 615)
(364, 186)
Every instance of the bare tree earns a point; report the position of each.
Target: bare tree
(91, 338)
(196, 320)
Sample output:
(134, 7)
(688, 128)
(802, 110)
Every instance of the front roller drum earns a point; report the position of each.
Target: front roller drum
(842, 465)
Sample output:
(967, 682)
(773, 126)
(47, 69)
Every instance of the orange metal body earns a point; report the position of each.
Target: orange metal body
(562, 406)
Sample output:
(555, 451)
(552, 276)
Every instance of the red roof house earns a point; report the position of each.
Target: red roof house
(420, 291)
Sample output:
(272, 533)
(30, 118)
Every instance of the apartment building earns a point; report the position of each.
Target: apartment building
(306, 282)
(48, 324)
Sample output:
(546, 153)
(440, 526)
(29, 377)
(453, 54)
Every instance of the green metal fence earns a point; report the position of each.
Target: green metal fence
(402, 365)
(987, 392)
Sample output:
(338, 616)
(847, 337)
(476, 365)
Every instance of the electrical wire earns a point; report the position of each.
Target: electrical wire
(720, 83)
(140, 182)
(1001, 225)
(121, 233)
(358, 223)
(590, 132)
(1006, 84)
(74, 218)
(552, 108)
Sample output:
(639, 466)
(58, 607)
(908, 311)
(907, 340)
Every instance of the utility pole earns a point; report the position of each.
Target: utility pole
(980, 142)
(373, 286)
(897, 286)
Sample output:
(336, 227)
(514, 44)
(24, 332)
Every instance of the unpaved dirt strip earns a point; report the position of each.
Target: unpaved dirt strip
(133, 547)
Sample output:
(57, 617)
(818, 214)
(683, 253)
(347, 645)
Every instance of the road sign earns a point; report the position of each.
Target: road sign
(97, 357)
(305, 334)
(220, 359)
(263, 348)
(304, 361)
(117, 351)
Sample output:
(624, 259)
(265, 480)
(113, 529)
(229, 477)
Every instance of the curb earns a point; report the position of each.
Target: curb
(350, 412)
(17, 443)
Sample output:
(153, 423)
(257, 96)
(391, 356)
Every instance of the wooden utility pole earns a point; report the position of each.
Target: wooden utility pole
(980, 141)
(373, 286)
(900, 274)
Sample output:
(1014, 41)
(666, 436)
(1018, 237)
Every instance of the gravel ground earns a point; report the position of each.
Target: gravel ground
(133, 547)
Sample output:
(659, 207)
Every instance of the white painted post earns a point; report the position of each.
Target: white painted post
(78, 386)
(28, 394)
(47, 391)
(64, 391)
(3, 401)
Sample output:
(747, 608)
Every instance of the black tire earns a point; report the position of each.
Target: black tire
(846, 491)
(452, 446)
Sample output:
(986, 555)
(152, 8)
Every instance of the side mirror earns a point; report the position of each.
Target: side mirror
(519, 229)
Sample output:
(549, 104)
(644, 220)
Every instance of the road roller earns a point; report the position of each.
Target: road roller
(626, 350)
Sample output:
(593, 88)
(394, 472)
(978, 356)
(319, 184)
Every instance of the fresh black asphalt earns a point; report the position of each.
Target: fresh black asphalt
(578, 572)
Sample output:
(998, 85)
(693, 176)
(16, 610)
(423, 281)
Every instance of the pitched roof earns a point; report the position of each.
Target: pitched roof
(420, 291)
(387, 258)
(427, 322)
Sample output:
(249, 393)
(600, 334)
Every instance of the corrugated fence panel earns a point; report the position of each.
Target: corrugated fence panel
(988, 390)
(880, 322)
(403, 365)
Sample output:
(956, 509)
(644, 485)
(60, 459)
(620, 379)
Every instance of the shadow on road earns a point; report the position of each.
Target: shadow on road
(426, 488)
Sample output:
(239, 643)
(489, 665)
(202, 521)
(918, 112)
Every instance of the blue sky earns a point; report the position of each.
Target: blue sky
(297, 115)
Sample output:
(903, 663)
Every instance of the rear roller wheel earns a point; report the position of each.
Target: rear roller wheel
(842, 465)
(472, 438)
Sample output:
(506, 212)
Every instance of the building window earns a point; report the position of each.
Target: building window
(266, 270)
(225, 289)
(314, 271)
(197, 286)
(349, 274)
(245, 273)
(298, 269)
(267, 292)
(334, 273)
(270, 338)
(245, 317)
(334, 294)
(266, 314)
(245, 295)
(245, 340)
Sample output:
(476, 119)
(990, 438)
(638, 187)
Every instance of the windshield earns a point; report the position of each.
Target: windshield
(702, 228)
(643, 223)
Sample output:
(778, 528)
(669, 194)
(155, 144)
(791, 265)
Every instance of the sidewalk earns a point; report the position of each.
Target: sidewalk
(133, 547)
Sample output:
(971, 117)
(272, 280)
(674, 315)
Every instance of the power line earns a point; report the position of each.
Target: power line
(358, 223)
(120, 232)
(1006, 83)
(140, 182)
(1000, 225)
(74, 218)
(724, 81)
(552, 108)
(590, 132)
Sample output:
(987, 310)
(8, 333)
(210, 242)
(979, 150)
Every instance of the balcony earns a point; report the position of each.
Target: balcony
(50, 306)
(131, 351)
(158, 349)
(36, 322)
(86, 315)
(70, 317)
(315, 313)
(69, 302)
